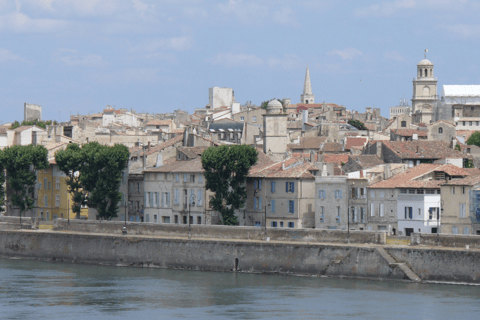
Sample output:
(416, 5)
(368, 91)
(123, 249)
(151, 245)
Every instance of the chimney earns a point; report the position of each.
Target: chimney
(148, 146)
(320, 157)
(312, 157)
(361, 173)
(379, 149)
(417, 149)
(386, 171)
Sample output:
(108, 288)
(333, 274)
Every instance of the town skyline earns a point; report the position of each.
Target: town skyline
(77, 58)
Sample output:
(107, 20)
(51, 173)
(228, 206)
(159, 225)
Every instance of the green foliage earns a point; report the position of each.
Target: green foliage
(2, 188)
(226, 168)
(474, 139)
(99, 175)
(21, 164)
(38, 123)
(457, 147)
(357, 124)
(468, 163)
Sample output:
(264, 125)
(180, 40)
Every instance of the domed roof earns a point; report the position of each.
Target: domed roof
(273, 104)
(425, 62)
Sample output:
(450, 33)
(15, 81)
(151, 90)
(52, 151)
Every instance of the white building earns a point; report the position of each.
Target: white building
(402, 108)
(220, 97)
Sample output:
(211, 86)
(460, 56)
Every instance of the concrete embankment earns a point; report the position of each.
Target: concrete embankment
(281, 257)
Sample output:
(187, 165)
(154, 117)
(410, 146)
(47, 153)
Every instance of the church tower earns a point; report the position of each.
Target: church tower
(425, 97)
(307, 96)
(275, 136)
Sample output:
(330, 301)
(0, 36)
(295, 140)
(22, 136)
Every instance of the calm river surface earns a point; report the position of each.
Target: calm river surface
(41, 290)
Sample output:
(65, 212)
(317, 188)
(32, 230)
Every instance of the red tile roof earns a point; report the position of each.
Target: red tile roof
(415, 177)
(159, 123)
(190, 166)
(294, 168)
(309, 143)
(409, 132)
(422, 149)
(357, 142)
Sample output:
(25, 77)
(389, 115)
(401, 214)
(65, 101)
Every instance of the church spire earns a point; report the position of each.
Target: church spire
(307, 96)
(307, 87)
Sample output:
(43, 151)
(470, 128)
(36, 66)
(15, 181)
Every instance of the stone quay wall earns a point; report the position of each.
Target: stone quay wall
(288, 258)
(196, 231)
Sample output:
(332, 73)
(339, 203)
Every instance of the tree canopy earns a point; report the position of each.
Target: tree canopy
(357, 124)
(474, 139)
(264, 104)
(21, 164)
(39, 123)
(94, 175)
(226, 168)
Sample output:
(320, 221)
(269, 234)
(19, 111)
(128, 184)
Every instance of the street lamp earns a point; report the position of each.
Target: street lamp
(192, 201)
(266, 217)
(348, 225)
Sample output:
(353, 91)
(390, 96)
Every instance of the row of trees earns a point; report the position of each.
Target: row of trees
(94, 175)
(39, 123)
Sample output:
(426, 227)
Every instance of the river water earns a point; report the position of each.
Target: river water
(41, 290)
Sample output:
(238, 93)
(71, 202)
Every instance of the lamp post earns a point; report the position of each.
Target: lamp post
(348, 225)
(192, 201)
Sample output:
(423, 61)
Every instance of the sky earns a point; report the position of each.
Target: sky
(72, 56)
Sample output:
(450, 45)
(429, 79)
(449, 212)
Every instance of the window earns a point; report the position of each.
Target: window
(372, 209)
(45, 181)
(411, 191)
(274, 224)
(463, 190)
(255, 203)
(242, 118)
(49, 185)
(200, 178)
(353, 193)
(166, 219)
(199, 220)
(185, 177)
(338, 194)
(419, 191)
(403, 191)
(454, 230)
(199, 198)
(176, 197)
(382, 209)
(363, 193)
(463, 122)
(176, 177)
(372, 194)
(57, 184)
(272, 186)
(403, 124)
(322, 214)
(321, 194)
(291, 225)
(281, 224)
(338, 219)
(362, 214)
(254, 119)
(291, 206)
(155, 218)
(408, 213)
(462, 210)
(419, 211)
(176, 218)
(192, 178)
(289, 187)
(440, 130)
(156, 199)
(257, 184)
(57, 200)
(470, 123)
(466, 230)
(272, 206)
(453, 190)
(46, 201)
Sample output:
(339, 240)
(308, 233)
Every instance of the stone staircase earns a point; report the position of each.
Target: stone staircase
(403, 266)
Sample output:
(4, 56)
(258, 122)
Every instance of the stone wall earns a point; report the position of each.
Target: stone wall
(32, 112)
(333, 260)
(220, 232)
(446, 240)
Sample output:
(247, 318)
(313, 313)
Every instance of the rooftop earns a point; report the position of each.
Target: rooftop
(422, 149)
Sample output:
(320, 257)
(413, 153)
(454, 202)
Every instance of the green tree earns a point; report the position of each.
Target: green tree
(70, 161)
(457, 147)
(2, 188)
(21, 164)
(474, 139)
(226, 168)
(264, 104)
(38, 123)
(357, 124)
(94, 176)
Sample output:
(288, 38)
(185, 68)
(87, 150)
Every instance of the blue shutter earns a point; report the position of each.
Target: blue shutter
(273, 186)
(340, 194)
(255, 203)
(272, 202)
(259, 184)
(286, 187)
(293, 186)
(320, 194)
(255, 184)
(260, 203)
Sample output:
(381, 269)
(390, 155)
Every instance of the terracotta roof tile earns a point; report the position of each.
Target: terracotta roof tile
(422, 149)
(410, 132)
(190, 166)
(309, 143)
(367, 161)
(358, 142)
(291, 168)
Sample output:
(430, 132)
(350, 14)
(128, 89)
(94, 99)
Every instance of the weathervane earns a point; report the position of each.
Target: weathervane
(426, 50)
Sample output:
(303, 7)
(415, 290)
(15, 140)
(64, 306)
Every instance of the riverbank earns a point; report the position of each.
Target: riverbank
(365, 261)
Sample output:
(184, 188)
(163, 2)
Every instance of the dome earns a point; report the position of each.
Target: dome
(274, 106)
(425, 62)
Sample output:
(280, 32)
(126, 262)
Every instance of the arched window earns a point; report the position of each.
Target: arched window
(426, 75)
(426, 91)
(404, 124)
(440, 130)
(306, 101)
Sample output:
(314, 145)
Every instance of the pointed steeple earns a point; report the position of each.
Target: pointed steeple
(307, 87)
(307, 96)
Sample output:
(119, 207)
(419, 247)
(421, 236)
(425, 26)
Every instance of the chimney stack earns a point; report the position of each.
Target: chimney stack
(386, 171)
(312, 157)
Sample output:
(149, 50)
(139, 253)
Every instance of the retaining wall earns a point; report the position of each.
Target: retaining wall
(335, 260)
(446, 240)
(196, 231)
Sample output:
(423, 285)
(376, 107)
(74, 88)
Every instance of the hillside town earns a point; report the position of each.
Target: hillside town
(320, 165)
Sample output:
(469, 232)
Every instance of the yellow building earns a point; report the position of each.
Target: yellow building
(53, 199)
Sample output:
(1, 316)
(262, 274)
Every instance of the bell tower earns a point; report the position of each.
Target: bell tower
(307, 96)
(424, 97)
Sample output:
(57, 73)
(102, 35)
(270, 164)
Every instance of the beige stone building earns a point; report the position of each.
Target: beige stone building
(275, 131)
(425, 96)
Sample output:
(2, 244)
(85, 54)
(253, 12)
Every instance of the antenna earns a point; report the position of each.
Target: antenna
(425, 53)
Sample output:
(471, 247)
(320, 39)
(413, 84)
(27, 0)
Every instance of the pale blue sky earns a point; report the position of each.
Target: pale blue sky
(80, 55)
